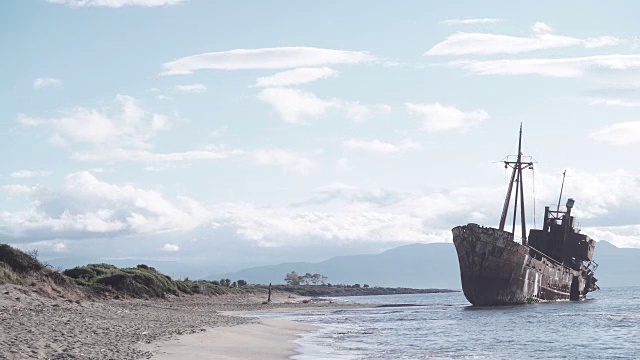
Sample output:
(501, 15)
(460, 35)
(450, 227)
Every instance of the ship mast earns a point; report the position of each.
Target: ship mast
(564, 174)
(516, 178)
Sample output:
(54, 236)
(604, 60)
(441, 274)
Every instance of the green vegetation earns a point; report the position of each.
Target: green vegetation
(7, 275)
(19, 261)
(294, 279)
(16, 265)
(21, 268)
(142, 281)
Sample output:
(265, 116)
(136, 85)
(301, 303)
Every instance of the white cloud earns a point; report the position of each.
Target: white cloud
(437, 117)
(123, 123)
(602, 198)
(166, 166)
(359, 216)
(336, 188)
(615, 102)
(620, 236)
(194, 88)
(296, 77)
(486, 44)
(18, 189)
(265, 58)
(289, 161)
(29, 121)
(27, 174)
(55, 246)
(86, 207)
(479, 21)
(40, 83)
(116, 3)
(619, 134)
(59, 246)
(378, 146)
(560, 67)
(342, 212)
(542, 28)
(343, 164)
(294, 105)
(351, 194)
(118, 132)
(211, 152)
(279, 226)
(361, 112)
(170, 248)
(219, 132)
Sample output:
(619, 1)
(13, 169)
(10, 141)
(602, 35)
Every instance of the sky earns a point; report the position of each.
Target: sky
(244, 133)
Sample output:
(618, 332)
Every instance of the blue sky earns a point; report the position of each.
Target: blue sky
(247, 133)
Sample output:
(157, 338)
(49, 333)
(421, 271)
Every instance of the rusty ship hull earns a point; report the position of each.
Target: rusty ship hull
(495, 270)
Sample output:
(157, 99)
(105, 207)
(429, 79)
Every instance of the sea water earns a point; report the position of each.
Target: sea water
(605, 326)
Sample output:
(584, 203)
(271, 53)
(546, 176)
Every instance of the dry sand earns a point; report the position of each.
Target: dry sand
(33, 326)
(268, 339)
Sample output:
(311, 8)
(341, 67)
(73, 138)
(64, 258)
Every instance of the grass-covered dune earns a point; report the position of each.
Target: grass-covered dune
(20, 268)
(141, 281)
(144, 281)
(103, 280)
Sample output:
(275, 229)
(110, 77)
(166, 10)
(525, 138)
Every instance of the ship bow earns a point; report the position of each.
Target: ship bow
(488, 258)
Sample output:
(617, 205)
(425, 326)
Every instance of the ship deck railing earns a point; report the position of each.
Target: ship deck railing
(549, 258)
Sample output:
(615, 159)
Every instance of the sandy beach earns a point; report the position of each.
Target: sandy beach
(189, 327)
(267, 339)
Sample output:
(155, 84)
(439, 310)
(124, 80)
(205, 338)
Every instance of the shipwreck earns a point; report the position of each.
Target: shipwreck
(552, 263)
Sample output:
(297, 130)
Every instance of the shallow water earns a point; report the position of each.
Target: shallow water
(607, 325)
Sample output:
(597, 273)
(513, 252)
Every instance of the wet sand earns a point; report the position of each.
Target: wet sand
(268, 339)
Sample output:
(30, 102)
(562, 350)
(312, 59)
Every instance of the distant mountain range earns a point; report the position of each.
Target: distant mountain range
(617, 266)
(416, 265)
(425, 266)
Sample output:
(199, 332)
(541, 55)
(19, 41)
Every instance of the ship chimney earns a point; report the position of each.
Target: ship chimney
(567, 222)
(568, 219)
(570, 203)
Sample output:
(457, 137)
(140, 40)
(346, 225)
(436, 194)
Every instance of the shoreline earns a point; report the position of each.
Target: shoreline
(289, 307)
(269, 339)
(264, 338)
